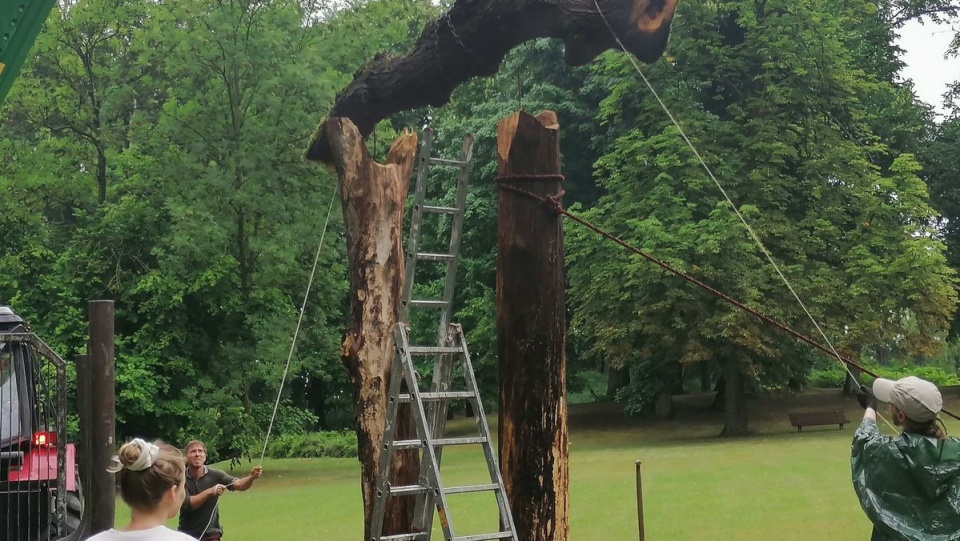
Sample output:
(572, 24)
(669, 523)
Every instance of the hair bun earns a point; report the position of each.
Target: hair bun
(138, 455)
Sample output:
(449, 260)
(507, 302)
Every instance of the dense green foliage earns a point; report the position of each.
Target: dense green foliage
(826, 179)
(314, 445)
(832, 376)
(152, 156)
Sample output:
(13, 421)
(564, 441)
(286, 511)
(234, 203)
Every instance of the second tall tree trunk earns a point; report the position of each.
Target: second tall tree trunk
(531, 329)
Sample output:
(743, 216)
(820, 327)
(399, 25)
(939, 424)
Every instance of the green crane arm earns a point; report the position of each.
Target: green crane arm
(20, 23)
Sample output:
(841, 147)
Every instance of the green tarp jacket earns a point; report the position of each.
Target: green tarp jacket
(908, 485)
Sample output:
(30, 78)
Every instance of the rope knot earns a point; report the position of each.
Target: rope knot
(552, 202)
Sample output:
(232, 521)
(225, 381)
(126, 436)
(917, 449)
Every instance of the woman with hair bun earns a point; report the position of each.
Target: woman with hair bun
(151, 478)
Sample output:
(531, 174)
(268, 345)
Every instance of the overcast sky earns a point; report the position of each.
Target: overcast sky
(930, 72)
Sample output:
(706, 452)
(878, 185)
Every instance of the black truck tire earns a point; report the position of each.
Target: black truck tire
(72, 516)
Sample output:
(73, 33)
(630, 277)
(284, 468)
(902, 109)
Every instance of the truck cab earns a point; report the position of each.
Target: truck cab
(32, 447)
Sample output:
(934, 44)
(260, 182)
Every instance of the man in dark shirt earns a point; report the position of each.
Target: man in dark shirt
(199, 514)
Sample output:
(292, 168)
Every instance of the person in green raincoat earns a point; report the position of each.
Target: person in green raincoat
(908, 485)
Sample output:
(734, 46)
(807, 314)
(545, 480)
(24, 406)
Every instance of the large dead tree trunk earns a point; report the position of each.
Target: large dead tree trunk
(472, 39)
(531, 329)
(373, 197)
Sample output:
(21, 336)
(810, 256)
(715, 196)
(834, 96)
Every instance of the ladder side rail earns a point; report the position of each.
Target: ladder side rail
(443, 365)
(429, 448)
(506, 515)
(443, 382)
(386, 449)
(416, 221)
(437, 419)
(456, 234)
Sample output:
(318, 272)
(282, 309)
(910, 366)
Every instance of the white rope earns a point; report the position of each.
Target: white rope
(216, 507)
(727, 197)
(293, 344)
(296, 331)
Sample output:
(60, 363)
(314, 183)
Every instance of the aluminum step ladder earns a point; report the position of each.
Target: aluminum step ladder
(430, 408)
(420, 209)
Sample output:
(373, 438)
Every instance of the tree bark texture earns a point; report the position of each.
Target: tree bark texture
(616, 379)
(373, 196)
(531, 329)
(472, 39)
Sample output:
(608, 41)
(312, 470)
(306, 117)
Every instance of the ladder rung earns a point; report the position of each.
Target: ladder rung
(427, 304)
(444, 161)
(407, 537)
(440, 210)
(433, 350)
(435, 257)
(458, 441)
(471, 488)
(408, 490)
(402, 445)
(426, 397)
(483, 536)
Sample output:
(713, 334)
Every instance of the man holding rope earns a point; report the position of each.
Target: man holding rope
(200, 513)
(908, 485)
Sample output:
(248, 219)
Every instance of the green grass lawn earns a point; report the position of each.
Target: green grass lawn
(775, 485)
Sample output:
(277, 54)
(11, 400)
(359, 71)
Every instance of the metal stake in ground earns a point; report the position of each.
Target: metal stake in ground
(640, 503)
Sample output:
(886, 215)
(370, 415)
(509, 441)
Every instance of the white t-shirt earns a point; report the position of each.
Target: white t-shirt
(158, 533)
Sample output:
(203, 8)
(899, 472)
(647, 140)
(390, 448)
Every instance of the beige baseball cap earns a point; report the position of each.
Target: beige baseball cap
(917, 398)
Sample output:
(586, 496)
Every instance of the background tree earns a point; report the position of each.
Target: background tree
(209, 222)
(784, 128)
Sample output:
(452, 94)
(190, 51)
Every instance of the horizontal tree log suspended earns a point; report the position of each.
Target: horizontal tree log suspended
(472, 40)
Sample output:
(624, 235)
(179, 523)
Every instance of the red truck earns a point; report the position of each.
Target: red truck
(37, 503)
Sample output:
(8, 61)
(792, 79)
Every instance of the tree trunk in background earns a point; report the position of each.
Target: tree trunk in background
(663, 408)
(720, 399)
(531, 330)
(373, 197)
(735, 400)
(617, 378)
(704, 377)
(677, 386)
(851, 385)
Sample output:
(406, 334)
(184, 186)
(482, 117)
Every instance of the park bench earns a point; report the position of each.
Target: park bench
(817, 418)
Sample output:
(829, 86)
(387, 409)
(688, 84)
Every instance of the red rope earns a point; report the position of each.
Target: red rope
(553, 203)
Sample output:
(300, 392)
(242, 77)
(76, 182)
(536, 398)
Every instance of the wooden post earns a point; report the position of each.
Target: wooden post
(102, 395)
(531, 329)
(373, 197)
(640, 504)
